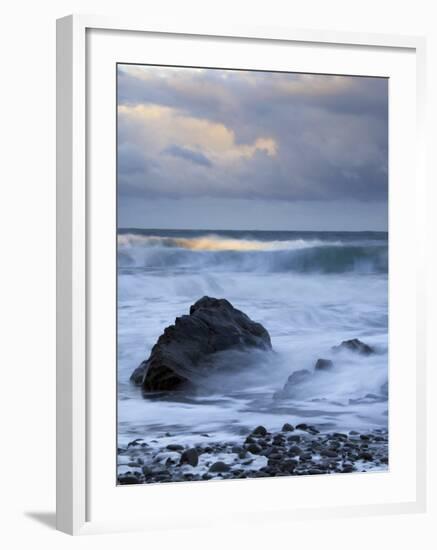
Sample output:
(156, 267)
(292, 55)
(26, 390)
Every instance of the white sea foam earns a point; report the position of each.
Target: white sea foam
(306, 313)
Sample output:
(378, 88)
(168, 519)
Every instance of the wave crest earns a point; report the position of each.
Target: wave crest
(228, 254)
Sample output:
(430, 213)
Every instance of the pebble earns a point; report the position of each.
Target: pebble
(219, 467)
(175, 447)
(276, 454)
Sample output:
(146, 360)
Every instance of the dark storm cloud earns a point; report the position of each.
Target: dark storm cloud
(256, 135)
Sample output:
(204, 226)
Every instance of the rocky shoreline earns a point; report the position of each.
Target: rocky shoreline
(291, 451)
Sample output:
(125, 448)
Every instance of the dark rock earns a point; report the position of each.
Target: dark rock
(128, 479)
(302, 427)
(260, 430)
(175, 447)
(278, 440)
(365, 456)
(186, 349)
(315, 471)
(191, 457)
(339, 435)
(275, 456)
(328, 453)
(313, 430)
(254, 448)
(134, 443)
(306, 456)
(288, 465)
(354, 345)
(324, 364)
(219, 467)
(294, 438)
(294, 450)
(287, 428)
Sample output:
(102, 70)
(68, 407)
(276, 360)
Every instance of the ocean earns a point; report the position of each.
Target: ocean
(310, 290)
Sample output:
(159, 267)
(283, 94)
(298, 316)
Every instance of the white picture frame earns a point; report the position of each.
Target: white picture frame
(74, 278)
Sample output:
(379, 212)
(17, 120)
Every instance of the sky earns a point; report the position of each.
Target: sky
(229, 149)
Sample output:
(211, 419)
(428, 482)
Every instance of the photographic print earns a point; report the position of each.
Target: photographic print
(252, 274)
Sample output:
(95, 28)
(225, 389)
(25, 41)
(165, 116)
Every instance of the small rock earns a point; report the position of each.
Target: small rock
(324, 364)
(128, 479)
(306, 456)
(260, 430)
(219, 467)
(294, 450)
(365, 456)
(354, 345)
(190, 456)
(288, 465)
(254, 448)
(287, 427)
(302, 426)
(328, 453)
(175, 447)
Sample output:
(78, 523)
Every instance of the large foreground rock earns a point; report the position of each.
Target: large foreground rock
(186, 349)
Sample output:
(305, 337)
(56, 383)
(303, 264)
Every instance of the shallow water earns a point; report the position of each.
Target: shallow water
(310, 291)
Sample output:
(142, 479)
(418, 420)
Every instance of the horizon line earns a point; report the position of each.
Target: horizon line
(257, 230)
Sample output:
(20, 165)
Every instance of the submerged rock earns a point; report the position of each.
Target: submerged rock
(324, 364)
(354, 345)
(294, 380)
(186, 349)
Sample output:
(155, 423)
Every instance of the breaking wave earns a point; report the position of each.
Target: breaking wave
(251, 255)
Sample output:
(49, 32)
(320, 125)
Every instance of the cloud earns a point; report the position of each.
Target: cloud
(251, 135)
(188, 154)
(159, 127)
